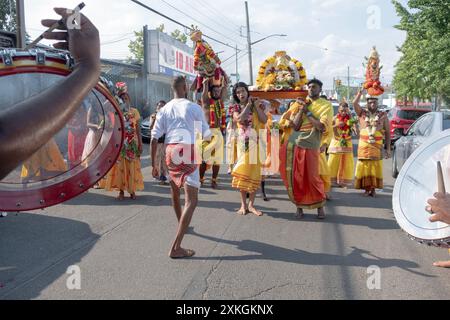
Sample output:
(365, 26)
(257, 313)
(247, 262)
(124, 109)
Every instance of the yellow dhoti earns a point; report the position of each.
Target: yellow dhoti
(369, 169)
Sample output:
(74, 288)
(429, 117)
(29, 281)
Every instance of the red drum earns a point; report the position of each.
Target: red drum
(77, 156)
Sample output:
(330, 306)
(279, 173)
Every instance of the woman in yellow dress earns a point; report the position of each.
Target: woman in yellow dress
(46, 163)
(251, 118)
(340, 161)
(126, 173)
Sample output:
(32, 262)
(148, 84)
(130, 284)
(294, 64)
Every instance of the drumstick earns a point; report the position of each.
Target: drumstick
(440, 178)
(53, 27)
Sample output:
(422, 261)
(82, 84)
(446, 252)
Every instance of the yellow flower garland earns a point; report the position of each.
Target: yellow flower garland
(263, 81)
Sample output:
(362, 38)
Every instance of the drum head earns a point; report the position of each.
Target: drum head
(75, 158)
(416, 183)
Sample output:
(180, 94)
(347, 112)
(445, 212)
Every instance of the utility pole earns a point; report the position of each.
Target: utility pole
(237, 70)
(146, 69)
(249, 41)
(20, 11)
(348, 84)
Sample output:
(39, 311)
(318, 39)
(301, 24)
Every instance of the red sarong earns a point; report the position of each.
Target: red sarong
(299, 169)
(178, 168)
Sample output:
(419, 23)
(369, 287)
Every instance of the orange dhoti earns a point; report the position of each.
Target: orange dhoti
(299, 169)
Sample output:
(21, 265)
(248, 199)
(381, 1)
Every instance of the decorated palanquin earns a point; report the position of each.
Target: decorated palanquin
(373, 70)
(206, 62)
(280, 77)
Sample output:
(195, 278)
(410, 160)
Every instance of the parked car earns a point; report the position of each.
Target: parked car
(424, 128)
(402, 118)
(145, 130)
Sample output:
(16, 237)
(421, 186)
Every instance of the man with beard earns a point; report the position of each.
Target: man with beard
(374, 135)
(310, 122)
(212, 103)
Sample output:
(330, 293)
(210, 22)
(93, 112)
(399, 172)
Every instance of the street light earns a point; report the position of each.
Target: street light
(272, 35)
(250, 44)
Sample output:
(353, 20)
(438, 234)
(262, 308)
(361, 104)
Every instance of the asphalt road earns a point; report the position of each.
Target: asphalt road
(121, 249)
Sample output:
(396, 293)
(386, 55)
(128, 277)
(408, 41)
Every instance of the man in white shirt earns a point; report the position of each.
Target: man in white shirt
(179, 120)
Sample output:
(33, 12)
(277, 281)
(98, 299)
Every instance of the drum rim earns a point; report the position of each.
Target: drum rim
(79, 183)
(400, 217)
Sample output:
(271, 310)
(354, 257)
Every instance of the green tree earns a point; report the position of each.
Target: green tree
(137, 47)
(177, 34)
(423, 70)
(8, 16)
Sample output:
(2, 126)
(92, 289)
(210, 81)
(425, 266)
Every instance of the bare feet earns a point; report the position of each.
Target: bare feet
(254, 211)
(121, 196)
(181, 253)
(242, 211)
(299, 214)
(320, 213)
(442, 264)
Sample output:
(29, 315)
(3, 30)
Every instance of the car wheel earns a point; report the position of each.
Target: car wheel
(394, 165)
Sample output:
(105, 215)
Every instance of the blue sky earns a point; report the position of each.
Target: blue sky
(325, 35)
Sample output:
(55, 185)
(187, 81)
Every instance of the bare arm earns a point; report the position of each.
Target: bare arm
(335, 129)
(317, 124)
(356, 104)
(205, 94)
(260, 111)
(153, 149)
(28, 125)
(244, 114)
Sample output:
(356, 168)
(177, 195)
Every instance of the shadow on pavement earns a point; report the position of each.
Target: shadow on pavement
(263, 251)
(36, 245)
(108, 199)
(372, 223)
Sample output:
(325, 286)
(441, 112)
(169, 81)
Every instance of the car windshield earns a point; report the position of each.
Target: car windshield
(446, 124)
(411, 114)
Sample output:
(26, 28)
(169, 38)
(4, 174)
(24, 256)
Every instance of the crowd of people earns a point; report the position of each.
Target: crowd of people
(308, 131)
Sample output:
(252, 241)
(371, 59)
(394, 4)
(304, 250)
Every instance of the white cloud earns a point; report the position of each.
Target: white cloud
(311, 25)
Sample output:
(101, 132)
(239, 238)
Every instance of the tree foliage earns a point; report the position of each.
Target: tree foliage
(423, 70)
(136, 46)
(8, 18)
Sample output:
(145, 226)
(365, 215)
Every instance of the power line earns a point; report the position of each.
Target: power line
(243, 54)
(115, 41)
(234, 31)
(179, 23)
(215, 11)
(190, 17)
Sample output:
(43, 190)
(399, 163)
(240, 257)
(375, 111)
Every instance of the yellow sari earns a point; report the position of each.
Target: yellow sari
(247, 170)
(369, 169)
(340, 160)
